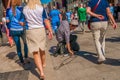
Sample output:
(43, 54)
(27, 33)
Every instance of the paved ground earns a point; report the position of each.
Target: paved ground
(81, 67)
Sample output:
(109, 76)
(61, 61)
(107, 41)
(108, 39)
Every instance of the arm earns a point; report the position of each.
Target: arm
(67, 39)
(8, 4)
(114, 25)
(69, 49)
(94, 14)
(60, 17)
(22, 17)
(47, 23)
(7, 16)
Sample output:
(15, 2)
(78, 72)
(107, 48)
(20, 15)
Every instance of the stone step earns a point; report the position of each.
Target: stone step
(16, 75)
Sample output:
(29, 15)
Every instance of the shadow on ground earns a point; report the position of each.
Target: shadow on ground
(52, 49)
(88, 56)
(15, 75)
(93, 58)
(64, 62)
(113, 39)
(80, 32)
(28, 66)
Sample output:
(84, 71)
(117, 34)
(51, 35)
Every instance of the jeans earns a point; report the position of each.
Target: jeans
(82, 25)
(16, 37)
(99, 32)
(55, 25)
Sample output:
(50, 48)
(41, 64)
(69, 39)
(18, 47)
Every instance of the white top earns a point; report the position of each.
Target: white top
(34, 17)
(4, 21)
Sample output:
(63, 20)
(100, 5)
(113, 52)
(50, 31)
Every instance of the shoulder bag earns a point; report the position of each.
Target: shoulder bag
(93, 10)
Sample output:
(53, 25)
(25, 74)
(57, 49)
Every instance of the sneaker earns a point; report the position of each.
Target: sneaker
(65, 55)
(26, 60)
(21, 64)
(55, 54)
(101, 62)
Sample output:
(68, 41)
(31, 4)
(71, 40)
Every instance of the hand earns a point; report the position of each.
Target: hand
(21, 23)
(71, 52)
(50, 35)
(114, 25)
(101, 17)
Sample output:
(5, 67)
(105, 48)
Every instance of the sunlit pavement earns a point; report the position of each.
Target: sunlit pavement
(81, 67)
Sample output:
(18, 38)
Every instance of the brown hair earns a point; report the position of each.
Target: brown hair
(15, 3)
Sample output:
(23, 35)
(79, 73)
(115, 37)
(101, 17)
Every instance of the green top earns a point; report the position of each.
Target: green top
(82, 14)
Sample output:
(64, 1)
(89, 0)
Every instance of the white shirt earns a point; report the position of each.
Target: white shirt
(34, 17)
(4, 21)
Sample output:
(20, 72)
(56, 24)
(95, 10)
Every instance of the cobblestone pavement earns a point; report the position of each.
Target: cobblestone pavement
(81, 67)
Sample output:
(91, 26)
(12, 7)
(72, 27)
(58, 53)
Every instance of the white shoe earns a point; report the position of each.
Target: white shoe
(65, 55)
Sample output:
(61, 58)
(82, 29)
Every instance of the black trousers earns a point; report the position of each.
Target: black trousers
(0, 34)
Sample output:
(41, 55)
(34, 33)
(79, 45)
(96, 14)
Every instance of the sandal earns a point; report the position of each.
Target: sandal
(42, 78)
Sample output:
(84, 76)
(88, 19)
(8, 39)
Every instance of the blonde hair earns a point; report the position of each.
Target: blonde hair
(32, 3)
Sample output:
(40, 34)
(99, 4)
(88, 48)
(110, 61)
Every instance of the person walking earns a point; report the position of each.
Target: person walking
(36, 36)
(15, 19)
(10, 40)
(69, 15)
(111, 8)
(82, 17)
(2, 34)
(99, 11)
(55, 18)
(116, 12)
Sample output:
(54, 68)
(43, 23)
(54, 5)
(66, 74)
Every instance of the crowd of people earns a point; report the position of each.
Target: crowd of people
(30, 22)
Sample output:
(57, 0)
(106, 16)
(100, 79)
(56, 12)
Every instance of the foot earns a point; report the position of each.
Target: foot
(101, 58)
(21, 63)
(26, 60)
(11, 45)
(65, 55)
(101, 62)
(42, 77)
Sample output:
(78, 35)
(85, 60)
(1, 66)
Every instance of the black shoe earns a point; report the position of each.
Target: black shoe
(55, 54)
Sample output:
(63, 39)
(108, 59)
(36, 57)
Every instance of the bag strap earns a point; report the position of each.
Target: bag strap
(95, 7)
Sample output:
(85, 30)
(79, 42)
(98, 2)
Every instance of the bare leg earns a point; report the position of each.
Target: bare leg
(38, 62)
(43, 57)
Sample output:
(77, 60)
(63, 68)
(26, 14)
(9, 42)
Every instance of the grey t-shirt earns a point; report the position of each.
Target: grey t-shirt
(63, 32)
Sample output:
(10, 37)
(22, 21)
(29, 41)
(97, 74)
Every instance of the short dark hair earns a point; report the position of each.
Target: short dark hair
(64, 16)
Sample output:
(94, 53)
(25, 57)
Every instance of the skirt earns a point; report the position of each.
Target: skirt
(36, 39)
